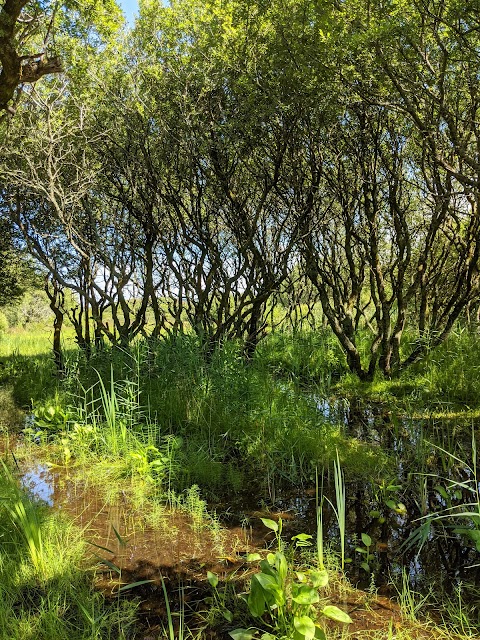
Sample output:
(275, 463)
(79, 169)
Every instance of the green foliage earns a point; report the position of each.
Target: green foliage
(307, 357)
(51, 417)
(31, 309)
(3, 324)
(290, 598)
(13, 266)
(367, 556)
(459, 518)
(27, 520)
(44, 593)
(340, 506)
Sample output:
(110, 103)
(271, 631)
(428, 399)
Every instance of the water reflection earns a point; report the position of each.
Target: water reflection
(39, 481)
(431, 471)
(423, 479)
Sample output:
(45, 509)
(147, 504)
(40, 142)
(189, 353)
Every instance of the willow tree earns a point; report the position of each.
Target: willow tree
(203, 152)
(388, 242)
(44, 171)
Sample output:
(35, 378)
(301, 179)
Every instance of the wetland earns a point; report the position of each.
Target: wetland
(172, 479)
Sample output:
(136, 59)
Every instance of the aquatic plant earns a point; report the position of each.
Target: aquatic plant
(339, 507)
(44, 593)
(462, 519)
(27, 520)
(289, 598)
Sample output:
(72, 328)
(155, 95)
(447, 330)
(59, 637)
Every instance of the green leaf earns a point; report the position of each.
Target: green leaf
(374, 514)
(243, 634)
(270, 524)
(213, 579)
(266, 567)
(305, 626)
(441, 490)
(319, 633)
(281, 566)
(319, 578)
(132, 585)
(110, 565)
(228, 615)
(334, 613)
(256, 599)
(270, 585)
(394, 487)
(302, 540)
(391, 504)
(306, 595)
(122, 542)
(366, 539)
(253, 557)
(90, 542)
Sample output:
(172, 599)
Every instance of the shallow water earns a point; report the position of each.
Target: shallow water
(422, 480)
(122, 533)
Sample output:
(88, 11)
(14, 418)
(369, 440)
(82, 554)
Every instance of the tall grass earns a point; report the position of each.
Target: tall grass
(25, 516)
(319, 499)
(339, 507)
(236, 425)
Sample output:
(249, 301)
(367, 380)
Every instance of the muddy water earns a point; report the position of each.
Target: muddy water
(127, 549)
(123, 536)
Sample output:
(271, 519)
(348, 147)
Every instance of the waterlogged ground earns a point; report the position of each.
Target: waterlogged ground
(179, 550)
(431, 473)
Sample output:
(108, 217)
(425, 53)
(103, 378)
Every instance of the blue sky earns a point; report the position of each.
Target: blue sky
(130, 8)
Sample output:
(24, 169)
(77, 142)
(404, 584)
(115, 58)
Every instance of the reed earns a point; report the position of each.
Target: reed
(339, 507)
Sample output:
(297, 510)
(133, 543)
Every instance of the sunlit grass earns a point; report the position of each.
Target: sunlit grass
(44, 594)
(35, 340)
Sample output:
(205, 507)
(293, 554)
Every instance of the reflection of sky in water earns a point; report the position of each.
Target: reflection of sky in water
(38, 482)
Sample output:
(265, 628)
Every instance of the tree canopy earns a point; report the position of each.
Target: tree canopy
(221, 161)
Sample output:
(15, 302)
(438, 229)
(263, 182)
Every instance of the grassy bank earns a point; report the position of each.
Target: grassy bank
(46, 588)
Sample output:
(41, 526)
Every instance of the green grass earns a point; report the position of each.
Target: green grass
(445, 385)
(216, 422)
(44, 592)
(166, 423)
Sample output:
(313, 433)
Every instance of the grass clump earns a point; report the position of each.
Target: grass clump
(173, 415)
(44, 594)
(306, 357)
